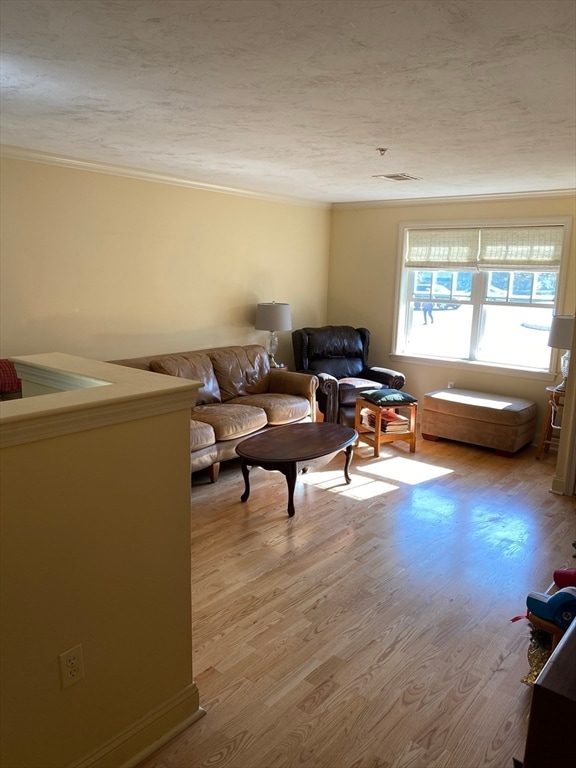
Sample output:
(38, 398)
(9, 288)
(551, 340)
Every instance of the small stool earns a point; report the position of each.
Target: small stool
(377, 437)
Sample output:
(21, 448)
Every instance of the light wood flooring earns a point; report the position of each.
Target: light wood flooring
(373, 629)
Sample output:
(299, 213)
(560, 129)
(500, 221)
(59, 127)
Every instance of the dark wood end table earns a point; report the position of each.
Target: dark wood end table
(281, 448)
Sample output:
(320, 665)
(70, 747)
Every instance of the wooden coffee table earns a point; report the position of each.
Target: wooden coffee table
(281, 448)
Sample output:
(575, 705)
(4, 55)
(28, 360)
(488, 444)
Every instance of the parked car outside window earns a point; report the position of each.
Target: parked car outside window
(438, 294)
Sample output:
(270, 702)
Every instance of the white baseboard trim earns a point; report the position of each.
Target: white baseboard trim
(149, 733)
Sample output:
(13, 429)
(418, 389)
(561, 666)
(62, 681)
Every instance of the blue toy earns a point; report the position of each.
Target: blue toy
(559, 608)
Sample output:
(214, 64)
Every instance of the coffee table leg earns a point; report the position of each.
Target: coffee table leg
(347, 463)
(291, 472)
(246, 476)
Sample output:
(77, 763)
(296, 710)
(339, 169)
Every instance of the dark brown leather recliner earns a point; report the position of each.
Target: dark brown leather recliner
(338, 356)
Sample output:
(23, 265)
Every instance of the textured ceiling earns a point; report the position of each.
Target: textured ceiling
(294, 97)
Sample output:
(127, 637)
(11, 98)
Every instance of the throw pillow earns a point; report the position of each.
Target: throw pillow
(387, 396)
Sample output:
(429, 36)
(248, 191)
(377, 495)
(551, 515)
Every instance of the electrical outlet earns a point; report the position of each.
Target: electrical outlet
(451, 385)
(71, 666)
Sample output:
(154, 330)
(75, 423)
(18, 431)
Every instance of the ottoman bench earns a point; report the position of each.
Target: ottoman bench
(493, 421)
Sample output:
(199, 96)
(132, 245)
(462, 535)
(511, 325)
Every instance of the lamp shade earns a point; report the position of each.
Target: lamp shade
(272, 316)
(561, 332)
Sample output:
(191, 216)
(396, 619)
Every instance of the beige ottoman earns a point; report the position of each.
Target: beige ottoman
(493, 421)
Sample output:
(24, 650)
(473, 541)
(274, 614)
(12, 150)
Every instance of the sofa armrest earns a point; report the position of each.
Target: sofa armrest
(388, 376)
(284, 382)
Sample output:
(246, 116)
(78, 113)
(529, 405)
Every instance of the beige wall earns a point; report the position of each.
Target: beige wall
(109, 267)
(95, 534)
(362, 284)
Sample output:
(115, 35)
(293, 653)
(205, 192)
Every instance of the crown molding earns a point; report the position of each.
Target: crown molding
(553, 193)
(34, 156)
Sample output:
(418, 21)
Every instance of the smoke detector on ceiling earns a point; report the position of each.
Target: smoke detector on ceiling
(397, 177)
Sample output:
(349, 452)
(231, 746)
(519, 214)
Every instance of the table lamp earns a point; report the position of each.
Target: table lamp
(560, 337)
(272, 316)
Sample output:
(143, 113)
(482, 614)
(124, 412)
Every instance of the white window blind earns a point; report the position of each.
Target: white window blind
(527, 247)
(442, 249)
(490, 248)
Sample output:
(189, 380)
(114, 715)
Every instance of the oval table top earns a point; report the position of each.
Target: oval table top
(297, 442)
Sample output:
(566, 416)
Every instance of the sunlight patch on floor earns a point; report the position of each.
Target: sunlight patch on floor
(371, 480)
(360, 488)
(361, 492)
(404, 470)
(433, 509)
(505, 532)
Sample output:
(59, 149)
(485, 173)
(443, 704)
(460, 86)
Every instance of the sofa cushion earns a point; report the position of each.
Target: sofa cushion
(196, 366)
(203, 458)
(201, 435)
(279, 409)
(230, 421)
(241, 370)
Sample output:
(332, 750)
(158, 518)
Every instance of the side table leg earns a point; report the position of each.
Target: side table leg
(544, 441)
(413, 413)
(377, 429)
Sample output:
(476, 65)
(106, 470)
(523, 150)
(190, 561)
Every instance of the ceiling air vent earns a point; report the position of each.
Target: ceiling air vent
(397, 177)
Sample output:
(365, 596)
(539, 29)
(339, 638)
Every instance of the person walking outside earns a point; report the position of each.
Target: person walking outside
(427, 309)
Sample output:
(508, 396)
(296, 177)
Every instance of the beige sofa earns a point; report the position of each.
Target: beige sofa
(240, 396)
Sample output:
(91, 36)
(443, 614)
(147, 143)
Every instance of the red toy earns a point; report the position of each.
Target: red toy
(565, 577)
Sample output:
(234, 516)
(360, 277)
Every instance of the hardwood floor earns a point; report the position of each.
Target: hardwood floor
(372, 630)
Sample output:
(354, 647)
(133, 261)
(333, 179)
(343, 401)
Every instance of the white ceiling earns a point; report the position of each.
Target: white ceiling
(294, 97)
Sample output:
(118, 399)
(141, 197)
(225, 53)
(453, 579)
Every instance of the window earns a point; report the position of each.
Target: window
(483, 294)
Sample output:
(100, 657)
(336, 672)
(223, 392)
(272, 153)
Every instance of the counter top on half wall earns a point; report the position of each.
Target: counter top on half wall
(64, 393)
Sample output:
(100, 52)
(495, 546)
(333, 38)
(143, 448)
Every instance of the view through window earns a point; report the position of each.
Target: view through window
(483, 294)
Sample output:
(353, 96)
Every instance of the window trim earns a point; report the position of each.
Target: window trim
(400, 305)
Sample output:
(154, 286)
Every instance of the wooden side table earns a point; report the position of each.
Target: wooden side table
(377, 437)
(551, 428)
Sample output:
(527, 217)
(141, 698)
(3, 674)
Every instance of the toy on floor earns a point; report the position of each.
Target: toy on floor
(565, 577)
(559, 608)
(549, 615)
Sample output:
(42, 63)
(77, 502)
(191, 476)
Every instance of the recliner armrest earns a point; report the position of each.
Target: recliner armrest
(328, 396)
(388, 376)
